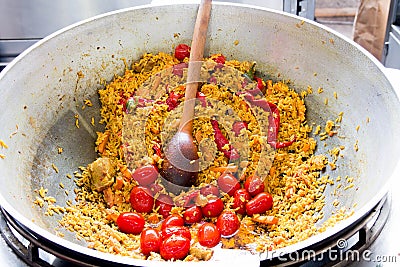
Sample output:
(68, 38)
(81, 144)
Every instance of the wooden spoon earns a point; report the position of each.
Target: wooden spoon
(180, 165)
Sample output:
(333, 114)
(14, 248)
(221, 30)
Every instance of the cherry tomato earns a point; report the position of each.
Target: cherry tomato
(240, 198)
(164, 203)
(208, 235)
(254, 185)
(141, 199)
(176, 230)
(228, 183)
(192, 215)
(228, 223)
(130, 222)
(213, 208)
(172, 220)
(145, 175)
(175, 247)
(209, 190)
(182, 51)
(259, 204)
(150, 241)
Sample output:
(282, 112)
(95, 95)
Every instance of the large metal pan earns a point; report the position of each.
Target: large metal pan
(44, 88)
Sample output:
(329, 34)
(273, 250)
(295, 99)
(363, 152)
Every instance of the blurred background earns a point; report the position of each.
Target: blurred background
(337, 14)
(374, 24)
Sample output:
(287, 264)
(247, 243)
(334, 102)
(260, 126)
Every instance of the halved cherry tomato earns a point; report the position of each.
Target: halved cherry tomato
(228, 223)
(145, 175)
(176, 230)
(172, 220)
(175, 247)
(182, 51)
(192, 215)
(213, 208)
(130, 222)
(240, 198)
(209, 190)
(208, 235)
(141, 199)
(164, 203)
(228, 183)
(150, 241)
(259, 204)
(254, 185)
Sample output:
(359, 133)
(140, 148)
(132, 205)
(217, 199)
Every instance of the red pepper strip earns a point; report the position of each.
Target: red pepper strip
(238, 126)
(278, 145)
(157, 150)
(213, 80)
(221, 142)
(260, 84)
(274, 120)
(248, 95)
(172, 100)
(252, 92)
(190, 199)
(122, 101)
(178, 69)
(202, 98)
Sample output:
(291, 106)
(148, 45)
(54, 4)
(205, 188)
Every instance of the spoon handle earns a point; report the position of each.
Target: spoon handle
(194, 68)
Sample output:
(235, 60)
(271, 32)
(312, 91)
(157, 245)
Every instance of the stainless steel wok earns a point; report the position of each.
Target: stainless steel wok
(42, 92)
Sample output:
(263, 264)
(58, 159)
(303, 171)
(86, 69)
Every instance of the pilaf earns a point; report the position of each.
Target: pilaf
(140, 112)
